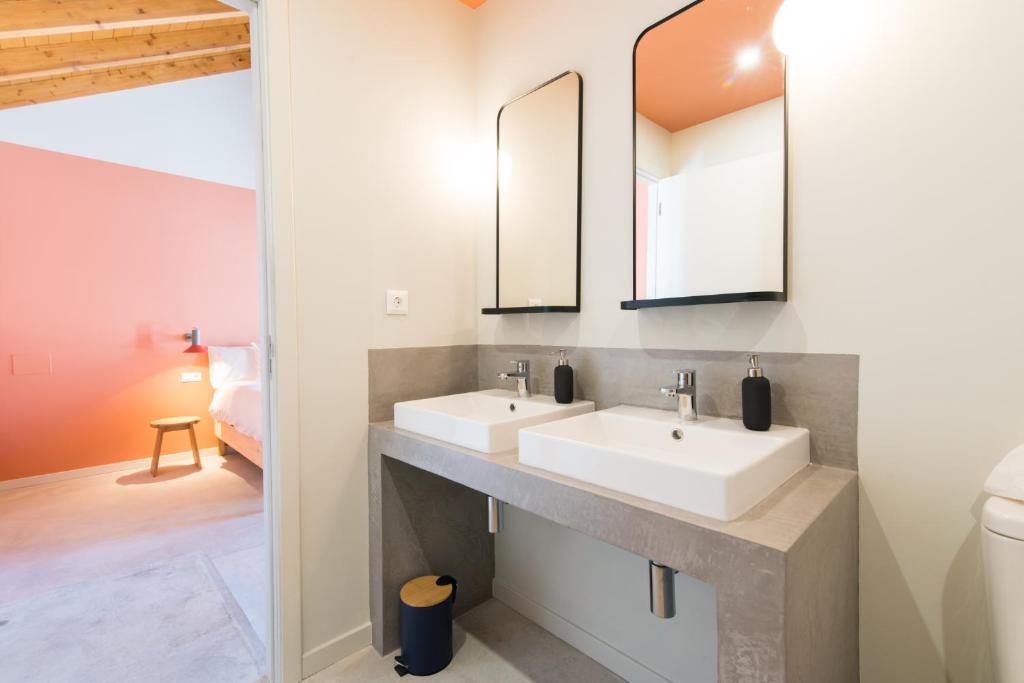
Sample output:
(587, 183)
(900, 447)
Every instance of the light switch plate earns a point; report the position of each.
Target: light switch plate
(192, 377)
(397, 302)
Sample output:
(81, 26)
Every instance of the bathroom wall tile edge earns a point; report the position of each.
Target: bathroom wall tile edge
(818, 391)
(406, 374)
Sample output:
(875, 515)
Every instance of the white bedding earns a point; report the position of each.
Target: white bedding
(233, 364)
(239, 404)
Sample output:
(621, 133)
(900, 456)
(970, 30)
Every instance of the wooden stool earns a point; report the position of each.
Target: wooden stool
(174, 424)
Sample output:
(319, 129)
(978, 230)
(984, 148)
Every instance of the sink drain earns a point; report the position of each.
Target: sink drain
(511, 407)
(677, 434)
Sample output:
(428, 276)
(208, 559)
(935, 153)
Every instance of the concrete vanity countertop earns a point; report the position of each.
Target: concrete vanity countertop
(785, 573)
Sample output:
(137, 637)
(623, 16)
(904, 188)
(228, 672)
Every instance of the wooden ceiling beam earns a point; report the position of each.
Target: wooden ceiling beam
(135, 27)
(58, 49)
(122, 64)
(60, 35)
(34, 18)
(80, 84)
(38, 61)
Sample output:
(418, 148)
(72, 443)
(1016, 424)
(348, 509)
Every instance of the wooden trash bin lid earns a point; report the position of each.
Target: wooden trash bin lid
(425, 592)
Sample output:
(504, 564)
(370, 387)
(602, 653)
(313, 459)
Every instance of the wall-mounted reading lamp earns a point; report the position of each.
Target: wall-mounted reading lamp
(194, 345)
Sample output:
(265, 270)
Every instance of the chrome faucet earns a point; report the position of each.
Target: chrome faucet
(521, 376)
(685, 390)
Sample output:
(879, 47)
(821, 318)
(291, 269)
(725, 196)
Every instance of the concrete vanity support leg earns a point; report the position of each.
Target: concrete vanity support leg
(376, 551)
(750, 590)
(822, 595)
(793, 617)
(420, 524)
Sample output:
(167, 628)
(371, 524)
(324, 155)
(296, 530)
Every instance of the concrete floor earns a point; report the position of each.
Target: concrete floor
(79, 536)
(493, 644)
(96, 555)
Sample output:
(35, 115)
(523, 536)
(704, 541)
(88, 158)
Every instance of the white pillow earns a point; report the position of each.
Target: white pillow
(232, 364)
(257, 357)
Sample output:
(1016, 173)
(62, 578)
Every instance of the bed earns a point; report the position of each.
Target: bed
(237, 405)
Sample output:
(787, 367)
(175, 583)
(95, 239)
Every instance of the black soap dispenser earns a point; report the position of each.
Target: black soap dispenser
(757, 398)
(563, 379)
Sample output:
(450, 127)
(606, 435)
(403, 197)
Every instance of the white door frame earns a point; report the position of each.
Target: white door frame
(281, 488)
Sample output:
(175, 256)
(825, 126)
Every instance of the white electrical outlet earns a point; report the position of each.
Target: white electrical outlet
(191, 377)
(397, 302)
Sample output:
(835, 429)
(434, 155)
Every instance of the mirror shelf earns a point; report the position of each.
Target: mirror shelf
(737, 297)
(530, 309)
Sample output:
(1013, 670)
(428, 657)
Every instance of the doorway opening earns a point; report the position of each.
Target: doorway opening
(136, 411)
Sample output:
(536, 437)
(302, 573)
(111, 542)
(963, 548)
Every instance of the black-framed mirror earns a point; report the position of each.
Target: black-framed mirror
(709, 157)
(540, 135)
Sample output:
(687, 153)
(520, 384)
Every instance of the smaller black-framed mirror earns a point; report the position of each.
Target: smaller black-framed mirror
(709, 158)
(538, 203)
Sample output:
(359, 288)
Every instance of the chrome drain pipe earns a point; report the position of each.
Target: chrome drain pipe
(663, 590)
(495, 515)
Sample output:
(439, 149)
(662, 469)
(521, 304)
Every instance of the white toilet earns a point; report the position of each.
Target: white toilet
(1002, 544)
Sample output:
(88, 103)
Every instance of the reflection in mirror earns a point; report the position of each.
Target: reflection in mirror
(539, 199)
(710, 157)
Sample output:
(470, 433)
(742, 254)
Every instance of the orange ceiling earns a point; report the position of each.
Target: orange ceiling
(686, 68)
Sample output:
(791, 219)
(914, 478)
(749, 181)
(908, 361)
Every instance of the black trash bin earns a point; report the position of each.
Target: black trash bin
(426, 625)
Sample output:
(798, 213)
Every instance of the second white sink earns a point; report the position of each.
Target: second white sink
(487, 421)
(714, 467)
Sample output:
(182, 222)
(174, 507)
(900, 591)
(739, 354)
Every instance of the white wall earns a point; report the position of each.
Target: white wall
(199, 128)
(653, 148)
(905, 236)
(379, 117)
(757, 129)
(719, 228)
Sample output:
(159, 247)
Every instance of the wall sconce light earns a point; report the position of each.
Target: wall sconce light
(819, 29)
(785, 29)
(194, 344)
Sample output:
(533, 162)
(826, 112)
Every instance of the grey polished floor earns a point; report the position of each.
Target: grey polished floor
(493, 644)
(126, 577)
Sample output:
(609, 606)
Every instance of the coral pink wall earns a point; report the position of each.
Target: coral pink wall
(102, 268)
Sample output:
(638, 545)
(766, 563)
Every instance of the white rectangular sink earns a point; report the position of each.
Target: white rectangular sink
(714, 467)
(487, 421)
